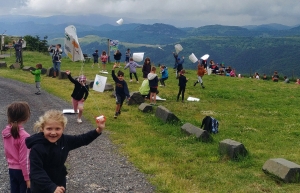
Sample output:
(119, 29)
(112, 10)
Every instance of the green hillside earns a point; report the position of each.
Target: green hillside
(246, 54)
(261, 114)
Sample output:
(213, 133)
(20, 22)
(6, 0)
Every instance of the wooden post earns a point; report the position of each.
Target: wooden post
(108, 50)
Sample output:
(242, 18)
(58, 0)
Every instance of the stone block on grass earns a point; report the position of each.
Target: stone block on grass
(200, 134)
(15, 66)
(43, 71)
(108, 87)
(232, 148)
(90, 83)
(145, 107)
(136, 98)
(165, 115)
(286, 170)
(28, 68)
(62, 75)
(3, 64)
(50, 71)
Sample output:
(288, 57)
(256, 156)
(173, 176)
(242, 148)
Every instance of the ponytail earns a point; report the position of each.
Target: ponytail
(14, 131)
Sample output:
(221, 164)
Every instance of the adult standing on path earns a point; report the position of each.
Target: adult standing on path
(56, 58)
(112, 173)
(18, 49)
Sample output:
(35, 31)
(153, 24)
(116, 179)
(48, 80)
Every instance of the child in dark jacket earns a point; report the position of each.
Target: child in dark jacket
(181, 84)
(50, 149)
(79, 95)
(146, 68)
(96, 56)
(121, 90)
(179, 65)
(153, 83)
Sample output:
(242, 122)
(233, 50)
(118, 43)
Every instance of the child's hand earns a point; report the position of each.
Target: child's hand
(59, 189)
(182, 57)
(100, 125)
(68, 72)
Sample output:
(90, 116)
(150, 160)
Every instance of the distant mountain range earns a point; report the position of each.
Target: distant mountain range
(262, 48)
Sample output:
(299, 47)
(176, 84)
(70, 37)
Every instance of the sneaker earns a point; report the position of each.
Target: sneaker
(137, 81)
(53, 76)
(195, 83)
(79, 121)
(130, 80)
(119, 113)
(161, 85)
(116, 115)
(37, 93)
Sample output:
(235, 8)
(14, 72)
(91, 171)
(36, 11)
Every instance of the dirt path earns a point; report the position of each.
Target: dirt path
(94, 168)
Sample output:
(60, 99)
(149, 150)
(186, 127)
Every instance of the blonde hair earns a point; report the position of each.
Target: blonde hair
(53, 115)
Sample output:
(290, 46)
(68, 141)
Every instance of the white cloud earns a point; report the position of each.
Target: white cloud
(199, 12)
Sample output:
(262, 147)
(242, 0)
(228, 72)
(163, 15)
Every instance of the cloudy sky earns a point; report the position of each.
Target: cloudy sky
(178, 12)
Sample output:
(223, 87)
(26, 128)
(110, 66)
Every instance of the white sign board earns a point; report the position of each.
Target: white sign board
(99, 83)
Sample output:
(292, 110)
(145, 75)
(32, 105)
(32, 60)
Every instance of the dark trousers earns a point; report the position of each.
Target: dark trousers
(181, 91)
(17, 182)
(134, 76)
(18, 56)
(162, 81)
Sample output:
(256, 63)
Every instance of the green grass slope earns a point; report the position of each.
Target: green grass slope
(263, 115)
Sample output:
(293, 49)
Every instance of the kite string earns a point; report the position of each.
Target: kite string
(94, 100)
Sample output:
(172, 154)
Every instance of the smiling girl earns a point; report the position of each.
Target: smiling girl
(50, 149)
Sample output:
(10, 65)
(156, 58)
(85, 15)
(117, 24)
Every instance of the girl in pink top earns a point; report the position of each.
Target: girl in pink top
(104, 58)
(16, 152)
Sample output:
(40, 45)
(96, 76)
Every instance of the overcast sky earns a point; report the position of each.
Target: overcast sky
(182, 12)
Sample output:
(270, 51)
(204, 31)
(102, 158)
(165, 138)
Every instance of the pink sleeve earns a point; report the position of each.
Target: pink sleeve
(24, 157)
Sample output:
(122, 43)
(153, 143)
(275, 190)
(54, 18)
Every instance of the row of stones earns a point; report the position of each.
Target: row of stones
(279, 167)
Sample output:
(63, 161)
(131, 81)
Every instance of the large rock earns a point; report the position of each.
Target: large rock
(62, 75)
(286, 170)
(15, 66)
(165, 115)
(232, 148)
(3, 64)
(90, 83)
(43, 71)
(108, 87)
(50, 71)
(200, 134)
(136, 98)
(144, 107)
(28, 68)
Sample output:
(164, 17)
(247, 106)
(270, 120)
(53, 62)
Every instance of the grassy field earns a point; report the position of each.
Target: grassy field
(261, 114)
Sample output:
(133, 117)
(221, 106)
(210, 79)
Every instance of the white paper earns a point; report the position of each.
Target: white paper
(99, 83)
(69, 111)
(193, 99)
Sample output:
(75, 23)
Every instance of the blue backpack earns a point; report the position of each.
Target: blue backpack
(210, 124)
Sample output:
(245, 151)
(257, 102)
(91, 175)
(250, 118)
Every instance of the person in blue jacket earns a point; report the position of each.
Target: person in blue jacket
(50, 149)
(164, 75)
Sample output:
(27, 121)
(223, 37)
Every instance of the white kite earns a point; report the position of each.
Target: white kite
(138, 57)
(99, 83)
(193, 58)
(178, 48)
(120, 21)
(205, 57)
(193, 99)
(72, 47)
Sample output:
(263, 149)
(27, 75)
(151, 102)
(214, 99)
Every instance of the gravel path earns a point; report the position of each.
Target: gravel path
(93, 168)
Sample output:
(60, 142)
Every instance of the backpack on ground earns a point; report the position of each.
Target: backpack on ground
(210, 124)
